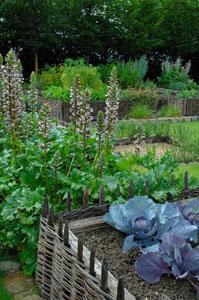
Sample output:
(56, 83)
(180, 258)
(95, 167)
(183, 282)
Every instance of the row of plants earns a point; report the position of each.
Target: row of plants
(183, 137)
(142, 111)
(166, 234)
(40, 158)
(175, 80)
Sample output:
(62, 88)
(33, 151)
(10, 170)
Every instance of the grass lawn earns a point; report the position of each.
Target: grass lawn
(192, 168)
(4, 294)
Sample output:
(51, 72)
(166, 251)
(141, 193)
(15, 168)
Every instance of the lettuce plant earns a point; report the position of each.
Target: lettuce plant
(175, 257)
(145, 222)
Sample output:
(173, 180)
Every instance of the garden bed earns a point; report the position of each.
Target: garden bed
(108, 243)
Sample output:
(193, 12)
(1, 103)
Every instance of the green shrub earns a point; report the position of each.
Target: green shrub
(130, 74)
(56, 92)
(50, 76)
(188, 94)
(141, 112)
(175, 76)
(140, 96)
(57, 81)
(170, 111)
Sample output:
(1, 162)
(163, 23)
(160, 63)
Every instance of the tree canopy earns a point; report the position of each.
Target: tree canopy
(99, 29)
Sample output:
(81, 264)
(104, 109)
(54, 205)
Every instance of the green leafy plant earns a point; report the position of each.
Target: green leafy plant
(57, 81)
(56, 92)
(140, 112)
(141, 96)
(188, 94)
(170, 111)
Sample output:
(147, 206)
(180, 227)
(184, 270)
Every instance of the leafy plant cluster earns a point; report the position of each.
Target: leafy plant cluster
(39, 157)
(57, 81)
(175, 76)
(167, 235)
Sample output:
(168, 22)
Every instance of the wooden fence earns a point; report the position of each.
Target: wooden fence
(61, 110)
(66, 269)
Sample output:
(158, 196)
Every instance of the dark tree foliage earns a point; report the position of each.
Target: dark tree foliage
(99, 30)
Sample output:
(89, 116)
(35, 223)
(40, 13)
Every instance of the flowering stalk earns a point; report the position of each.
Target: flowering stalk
(11, 75)
(1, 100)
(112, 105)
(11, 81)
(33, 93)
(85, 118)
(100, 130)
(43, 132)
(32, 102)
(75, 98)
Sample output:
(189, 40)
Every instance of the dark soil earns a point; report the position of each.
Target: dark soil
(108, 243)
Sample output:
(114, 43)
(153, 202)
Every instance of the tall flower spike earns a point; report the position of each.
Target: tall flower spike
(11, 75)
(112, 104)
(1, 100)
(75, 98)
(44, 124)
(85, 114)
(100, 130)
(33, 93)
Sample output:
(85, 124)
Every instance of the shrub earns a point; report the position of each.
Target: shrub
(170, 111)
(147, 97)
(140, 112)
(176, 76)
(129, 74)
(57, 81)
(56, 92)
(50, 76)
(188, 94)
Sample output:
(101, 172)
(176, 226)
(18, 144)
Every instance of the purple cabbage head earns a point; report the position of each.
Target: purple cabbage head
(191, 211)
(145, 222)
(175, 256)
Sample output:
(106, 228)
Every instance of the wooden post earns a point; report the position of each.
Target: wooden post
(92, 262)
(104, 276)
(50, 220)
(101, 196)
(172, 181)
(45, 210)
(80, 250)
(85, 199)
(68, 202)
(186, 184)
(66, 235)
(131, 189)
(60, 226)
(120, 290)
(147, 187)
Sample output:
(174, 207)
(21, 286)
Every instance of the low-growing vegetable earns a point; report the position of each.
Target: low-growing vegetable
(191, 211)
(145, 222)
(174, 257)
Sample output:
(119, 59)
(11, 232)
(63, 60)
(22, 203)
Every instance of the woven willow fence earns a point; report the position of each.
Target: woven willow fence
(62, 270)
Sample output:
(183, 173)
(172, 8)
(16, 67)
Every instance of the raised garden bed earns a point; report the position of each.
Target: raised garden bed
(108, 244)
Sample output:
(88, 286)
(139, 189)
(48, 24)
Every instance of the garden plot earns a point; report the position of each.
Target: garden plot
(108, 244)
(160, 148)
